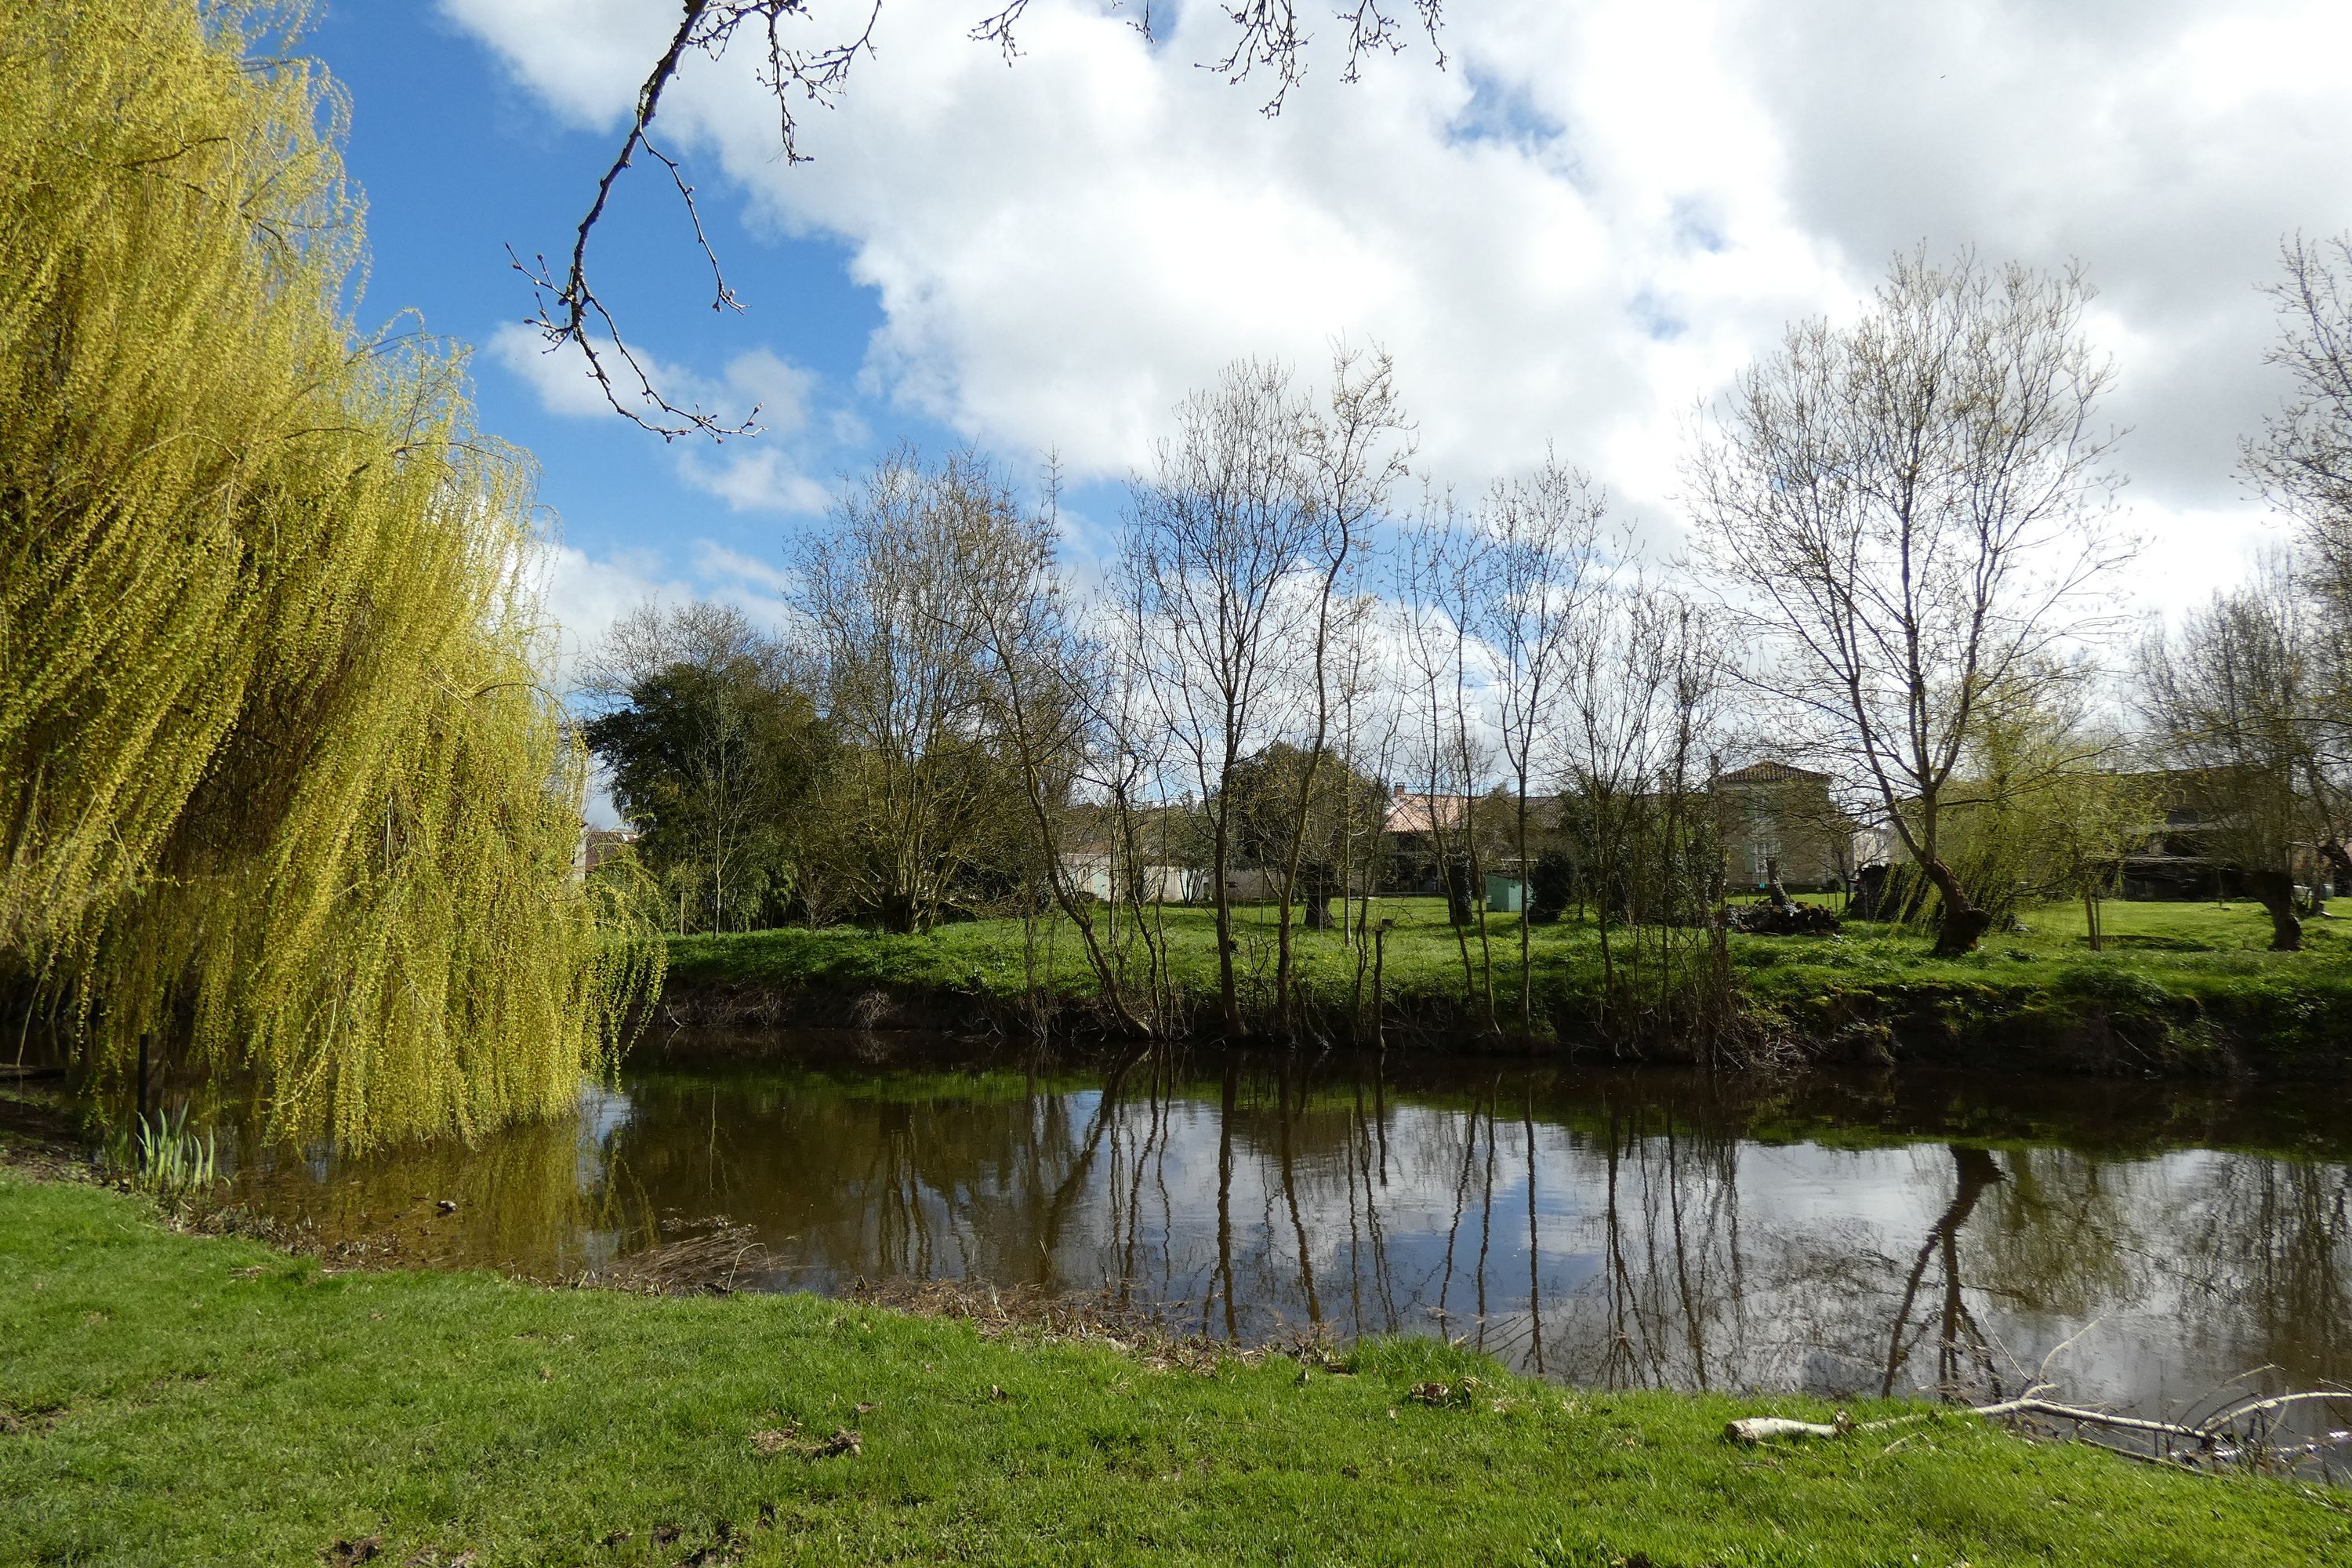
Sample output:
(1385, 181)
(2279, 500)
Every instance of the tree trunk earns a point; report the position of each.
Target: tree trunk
(1315, 886)
(1228, 996)
(1458, 895)
(1527, 917)
(1964, 924)
(2276, 892)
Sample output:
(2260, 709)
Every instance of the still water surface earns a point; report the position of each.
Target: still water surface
(1604, 1227)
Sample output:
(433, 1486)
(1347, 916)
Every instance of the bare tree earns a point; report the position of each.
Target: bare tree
(1541, 571)
(1636, 709)
(1355, 451)
(1370, 716)
(1910, 511)
(1132, 767)
(650, 638)
(2303, 460)
(1216, 539)
(1443, 570)
(804, 62)
(1038, 672)
(2302, 463)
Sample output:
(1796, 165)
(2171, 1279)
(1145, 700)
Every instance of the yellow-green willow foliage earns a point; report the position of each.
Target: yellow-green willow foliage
(278, 783)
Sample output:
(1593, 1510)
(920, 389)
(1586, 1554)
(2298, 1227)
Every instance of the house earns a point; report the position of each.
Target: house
(597, 844)
(1414, 825)
(1091, 870)
(2189, 856)
(2177, 861)
(1770, 811)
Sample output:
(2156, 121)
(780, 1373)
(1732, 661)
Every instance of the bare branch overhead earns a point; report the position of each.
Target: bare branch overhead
(569, 314)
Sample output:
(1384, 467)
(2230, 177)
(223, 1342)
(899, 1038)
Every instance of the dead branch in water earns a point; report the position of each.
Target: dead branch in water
(710, 1262)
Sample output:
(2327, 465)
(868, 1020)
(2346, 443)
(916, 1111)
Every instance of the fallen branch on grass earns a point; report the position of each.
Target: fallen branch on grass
(2206, 1435)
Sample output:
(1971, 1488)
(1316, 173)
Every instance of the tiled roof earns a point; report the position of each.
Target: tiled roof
(1424, 813)
(1772, 772)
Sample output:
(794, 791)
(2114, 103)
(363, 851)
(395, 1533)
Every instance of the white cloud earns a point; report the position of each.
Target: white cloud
(557, 377)
(1575, 232)
(766, 471)
(583, 595)
(715, 563)
(776, 390)
(761, 479)
(585, 58)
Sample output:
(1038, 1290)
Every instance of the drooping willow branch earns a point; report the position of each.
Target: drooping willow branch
(283, 793)
(569, 312)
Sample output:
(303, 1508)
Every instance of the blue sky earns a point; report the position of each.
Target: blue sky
(459, 162)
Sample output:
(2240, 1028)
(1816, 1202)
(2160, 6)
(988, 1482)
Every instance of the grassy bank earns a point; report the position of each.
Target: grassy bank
(2178, 986)
(171, 1399)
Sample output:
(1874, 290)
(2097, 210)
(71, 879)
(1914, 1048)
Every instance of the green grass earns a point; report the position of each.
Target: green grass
(2175, 982)
(2174, 978)
(1422, 954)
(179, 1400)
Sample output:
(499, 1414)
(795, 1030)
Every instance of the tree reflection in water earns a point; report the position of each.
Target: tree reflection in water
(1610, 1228)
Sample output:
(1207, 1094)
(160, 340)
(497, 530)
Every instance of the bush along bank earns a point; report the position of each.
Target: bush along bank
(149, 1378)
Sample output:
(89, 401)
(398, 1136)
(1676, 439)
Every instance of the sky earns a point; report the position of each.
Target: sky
(1571, 235)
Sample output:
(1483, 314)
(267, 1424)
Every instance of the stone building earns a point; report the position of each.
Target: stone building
(1773, 811)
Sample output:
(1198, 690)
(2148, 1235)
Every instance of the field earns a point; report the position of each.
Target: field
(173, 1399)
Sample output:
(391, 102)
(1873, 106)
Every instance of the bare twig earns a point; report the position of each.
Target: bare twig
(570, 312)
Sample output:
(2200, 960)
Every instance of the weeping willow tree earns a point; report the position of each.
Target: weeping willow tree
(279, 789)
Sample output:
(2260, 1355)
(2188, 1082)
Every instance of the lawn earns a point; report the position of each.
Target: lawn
(2193, 975)
(172, 1399)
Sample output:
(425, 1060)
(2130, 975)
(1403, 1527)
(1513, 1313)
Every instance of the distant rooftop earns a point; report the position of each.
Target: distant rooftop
(1768, 771)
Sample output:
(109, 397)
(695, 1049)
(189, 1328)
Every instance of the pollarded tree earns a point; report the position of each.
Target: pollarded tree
(1911, 511)
(281, 789)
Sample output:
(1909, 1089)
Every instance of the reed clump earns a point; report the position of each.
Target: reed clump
(281, 787)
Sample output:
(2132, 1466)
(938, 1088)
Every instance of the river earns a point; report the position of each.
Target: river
(2156, 1245)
